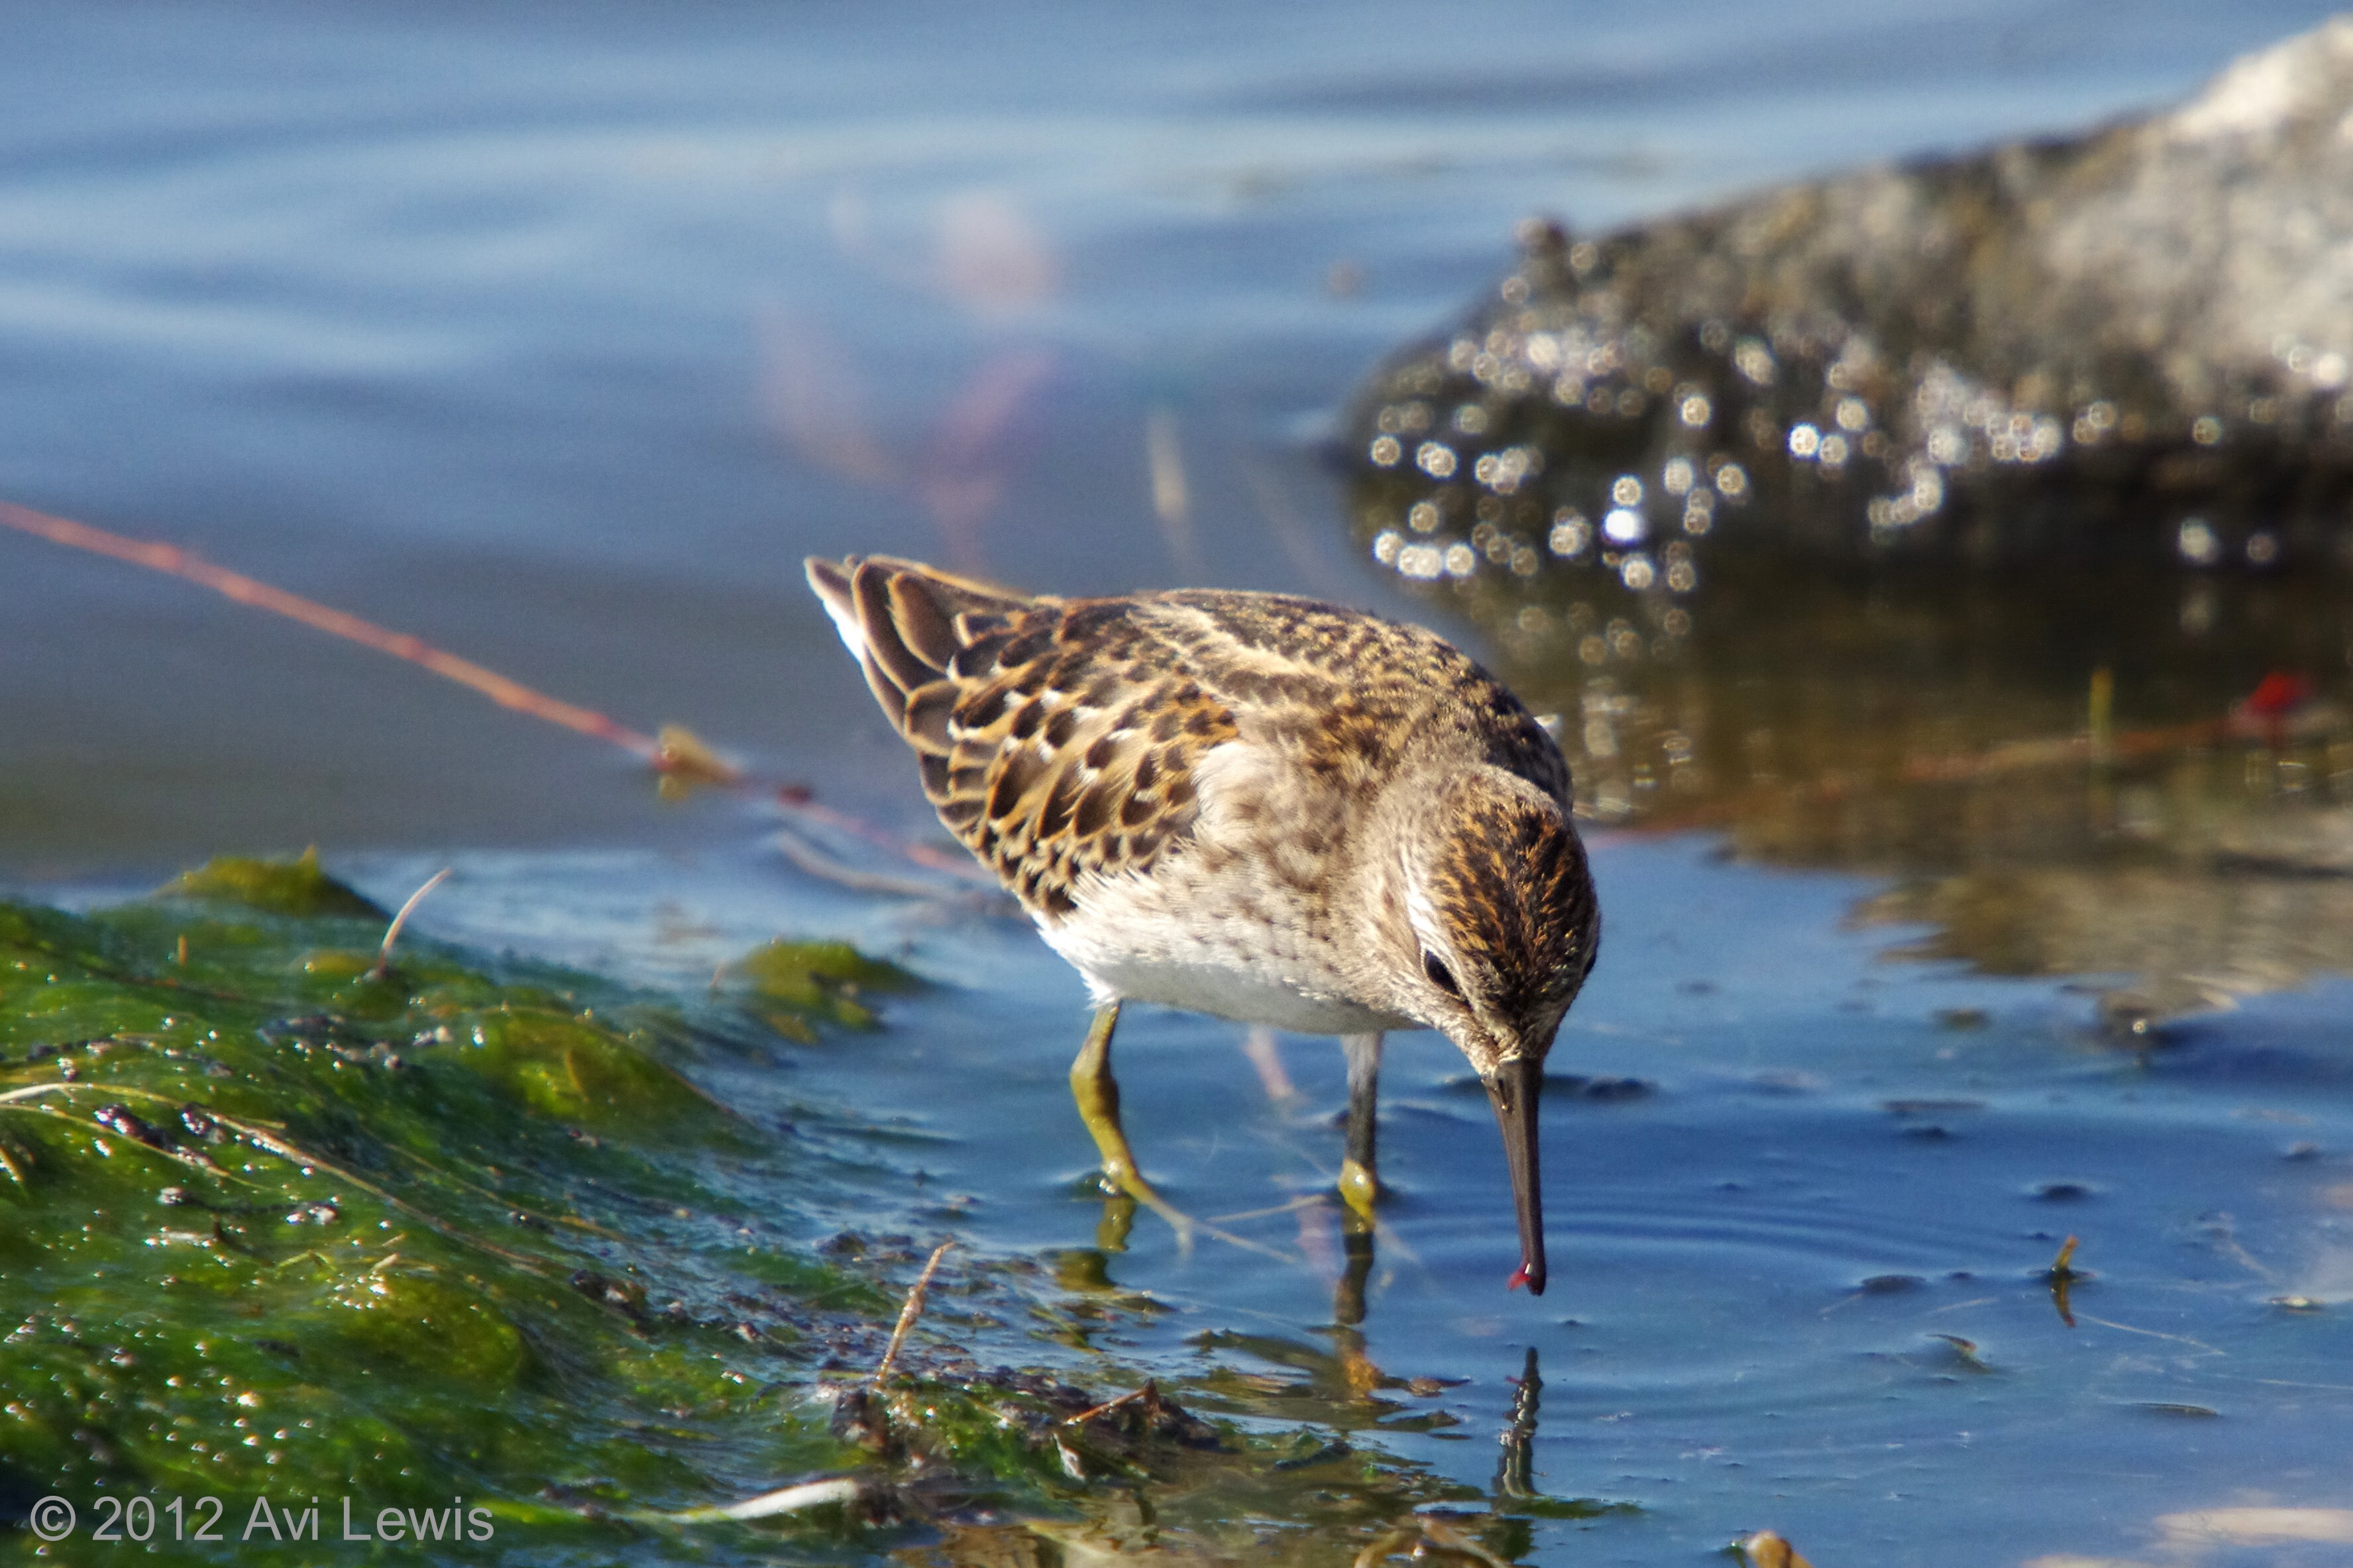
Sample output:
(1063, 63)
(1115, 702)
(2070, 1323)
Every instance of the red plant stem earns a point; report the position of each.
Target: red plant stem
(185, 565)
(179, 563)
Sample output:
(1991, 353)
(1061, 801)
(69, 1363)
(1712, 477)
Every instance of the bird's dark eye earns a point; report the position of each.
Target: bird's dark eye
(1440, 975)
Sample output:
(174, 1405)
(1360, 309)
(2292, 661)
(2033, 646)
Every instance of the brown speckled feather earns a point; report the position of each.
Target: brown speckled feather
(1517, 899)
(1059, 737)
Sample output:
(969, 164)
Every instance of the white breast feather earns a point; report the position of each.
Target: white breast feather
(1172, 938)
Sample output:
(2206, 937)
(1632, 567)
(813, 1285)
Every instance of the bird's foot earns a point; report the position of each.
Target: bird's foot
(1125, 1189)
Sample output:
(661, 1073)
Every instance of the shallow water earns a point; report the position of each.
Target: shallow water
(1804, 1201)
(557, 340)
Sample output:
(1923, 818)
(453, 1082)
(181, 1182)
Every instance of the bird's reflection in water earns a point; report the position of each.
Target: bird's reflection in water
(1348, 1303)
(1118, 1221)
(1515, 1471)
(1348, 1295)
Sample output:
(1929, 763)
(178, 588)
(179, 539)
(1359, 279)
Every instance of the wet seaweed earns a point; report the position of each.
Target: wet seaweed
(458, 1253)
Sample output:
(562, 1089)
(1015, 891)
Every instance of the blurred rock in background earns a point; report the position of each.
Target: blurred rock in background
(2134, 345)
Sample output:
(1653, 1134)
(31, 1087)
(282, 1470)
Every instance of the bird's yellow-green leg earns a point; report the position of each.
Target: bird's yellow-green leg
(1097, 1093)
(1360, 1185)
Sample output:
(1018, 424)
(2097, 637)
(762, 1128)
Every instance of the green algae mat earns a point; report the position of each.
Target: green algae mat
(316, 1248)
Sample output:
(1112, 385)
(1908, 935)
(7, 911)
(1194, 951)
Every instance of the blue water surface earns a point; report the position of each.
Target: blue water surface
(556, 335)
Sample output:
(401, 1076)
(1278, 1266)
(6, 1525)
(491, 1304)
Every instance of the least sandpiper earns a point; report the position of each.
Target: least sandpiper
(1262, 807)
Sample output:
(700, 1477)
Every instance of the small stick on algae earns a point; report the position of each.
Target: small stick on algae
(815, 862)
(1151, 1391)
(784, 1499)
(909, 1313)
(392, 932)
(306, 1162)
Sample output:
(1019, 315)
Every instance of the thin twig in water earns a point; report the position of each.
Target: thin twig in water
(392, 932)
(909, 1313)
(1290, 1206)
(1184, 1226)
(817, 863)
(2154, 1333)
(182, 563)
(675, 753)
(1151, 1390)
(2227, 1243)
(784, 1499)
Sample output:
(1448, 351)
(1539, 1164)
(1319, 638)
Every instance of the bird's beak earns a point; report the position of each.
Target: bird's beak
(1513, 1088)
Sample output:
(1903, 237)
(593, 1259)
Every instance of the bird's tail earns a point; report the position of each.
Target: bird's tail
(906, 622)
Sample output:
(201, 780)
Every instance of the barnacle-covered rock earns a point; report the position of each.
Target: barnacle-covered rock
(2134, 345)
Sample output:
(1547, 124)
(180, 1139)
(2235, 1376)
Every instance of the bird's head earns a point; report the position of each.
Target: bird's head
(1494, 927)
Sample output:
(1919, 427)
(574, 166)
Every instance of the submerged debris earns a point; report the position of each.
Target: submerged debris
(1766, 1549)
(2063, 1277)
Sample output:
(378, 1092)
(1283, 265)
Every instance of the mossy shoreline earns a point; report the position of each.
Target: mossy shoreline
(283, 1224)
